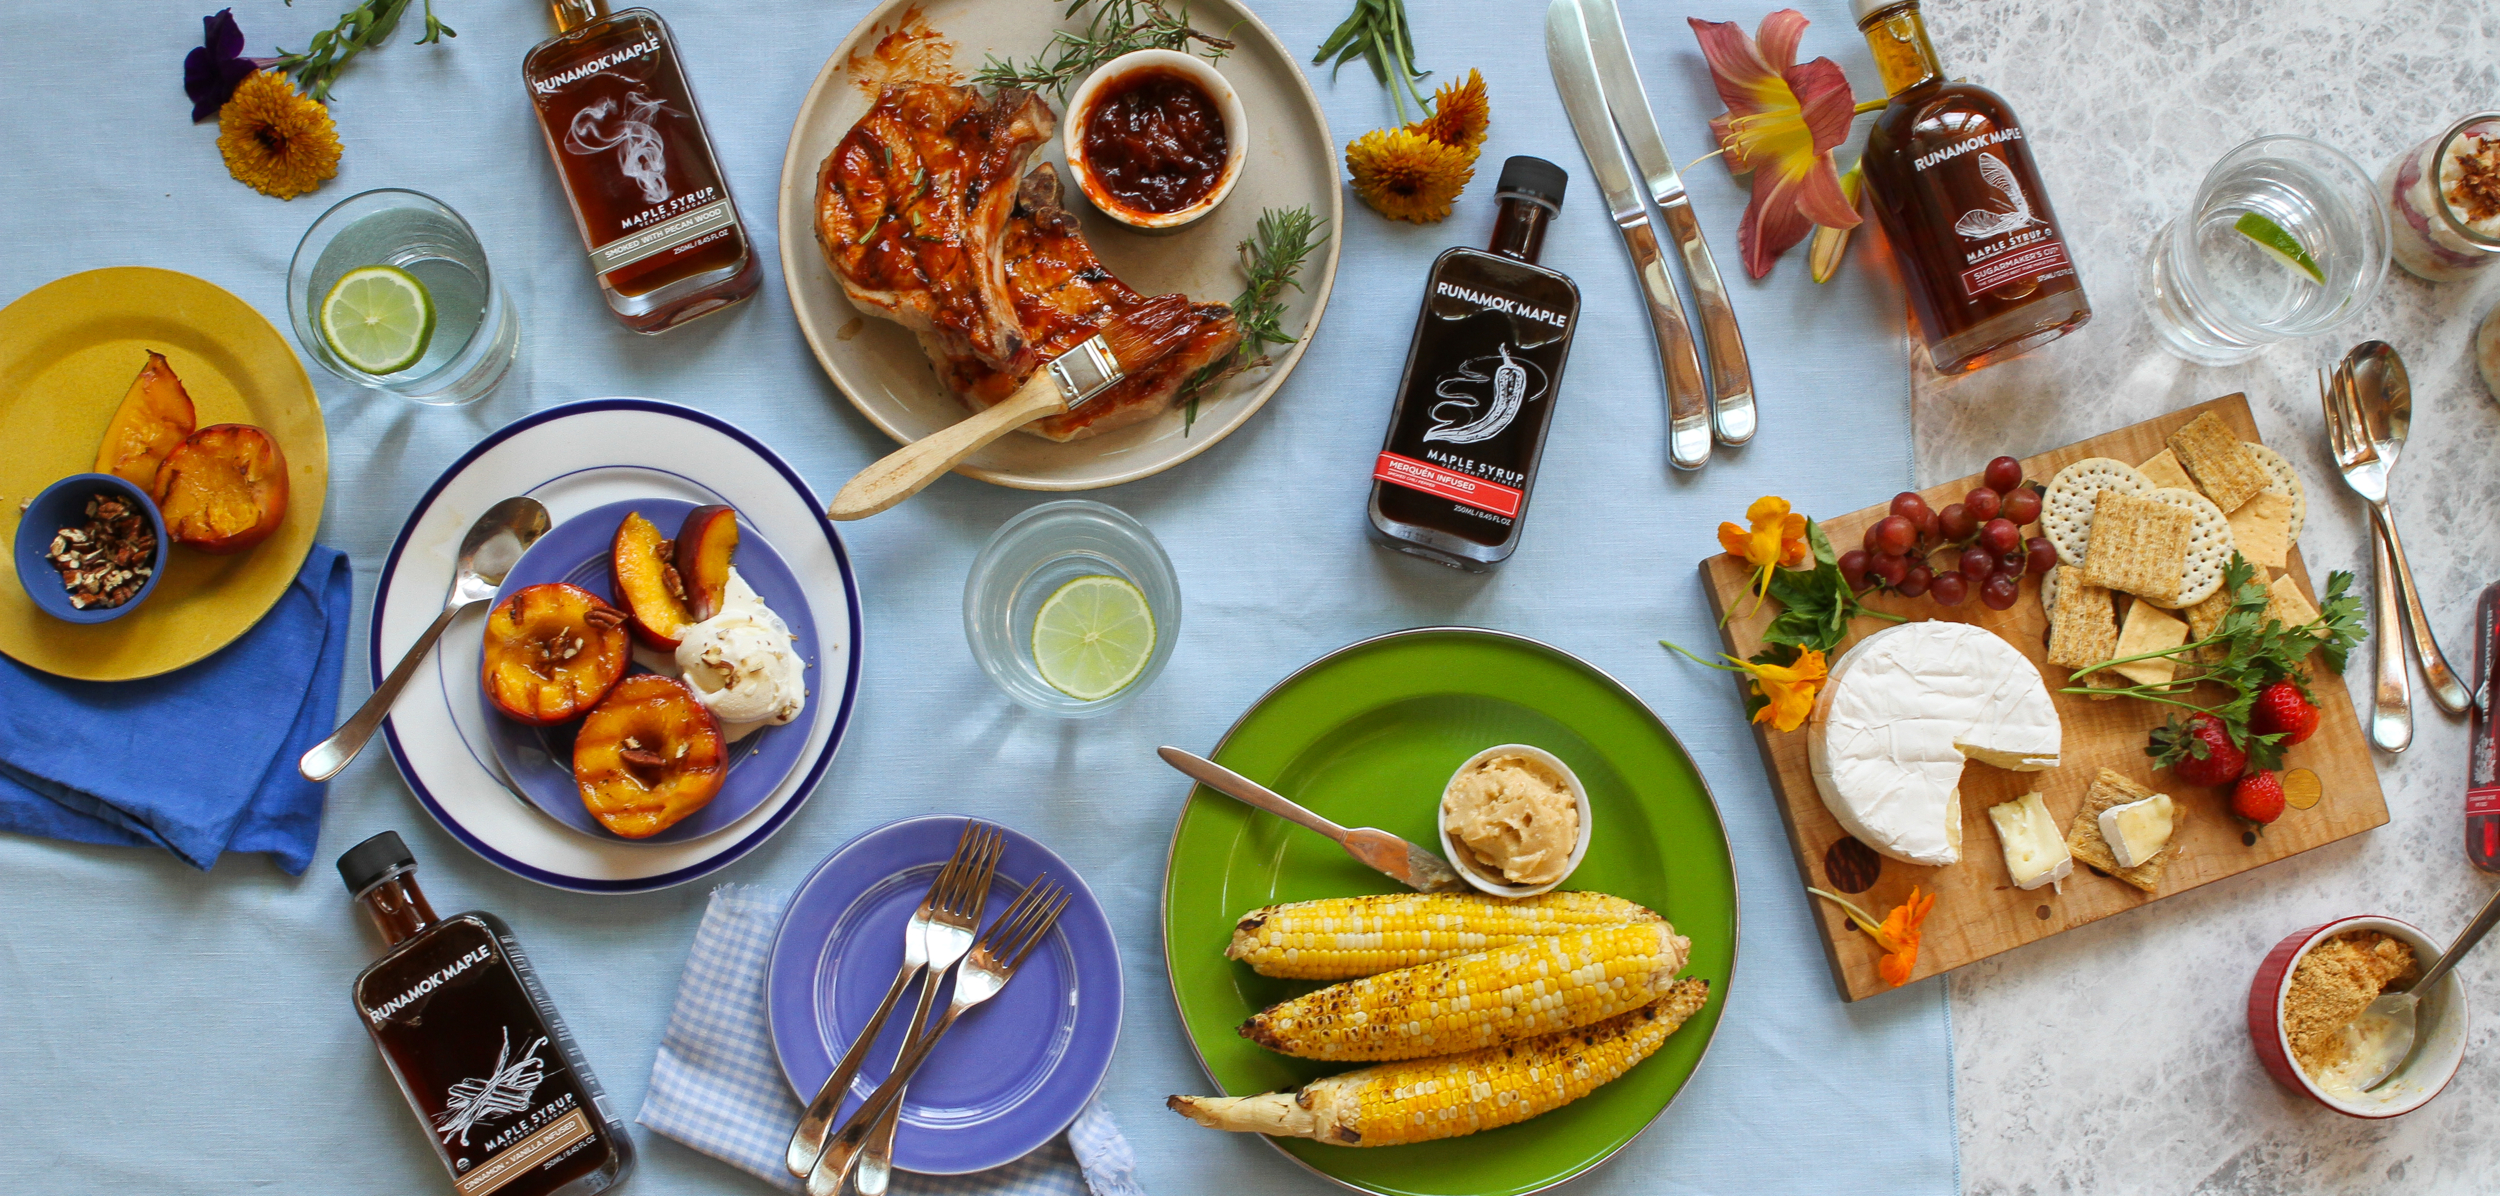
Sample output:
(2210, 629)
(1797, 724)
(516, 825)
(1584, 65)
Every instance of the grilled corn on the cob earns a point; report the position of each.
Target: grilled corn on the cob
(1343, 937)
(1391, 1104)
(1534, 986)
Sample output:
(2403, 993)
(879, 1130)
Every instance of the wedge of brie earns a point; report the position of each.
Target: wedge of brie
(1901, 714)
(2035, 852)
(2138, 830)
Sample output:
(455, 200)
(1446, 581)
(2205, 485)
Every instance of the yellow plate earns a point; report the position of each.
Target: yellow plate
(68, 351)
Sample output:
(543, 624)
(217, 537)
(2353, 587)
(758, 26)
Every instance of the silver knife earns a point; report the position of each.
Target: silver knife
(1731, 375)
(1379, 850)
(1575, 76)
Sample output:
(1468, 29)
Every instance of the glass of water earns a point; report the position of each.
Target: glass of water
(476, 332)
(2287, 239)
(1080, 548)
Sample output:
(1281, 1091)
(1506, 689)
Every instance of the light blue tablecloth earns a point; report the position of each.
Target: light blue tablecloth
(164, 1030)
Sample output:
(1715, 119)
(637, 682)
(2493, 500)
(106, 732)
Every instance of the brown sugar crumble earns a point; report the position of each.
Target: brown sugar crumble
(2332, 984)
(2477, 189)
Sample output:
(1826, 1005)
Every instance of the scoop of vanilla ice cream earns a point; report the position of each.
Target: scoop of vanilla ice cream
(742, 664)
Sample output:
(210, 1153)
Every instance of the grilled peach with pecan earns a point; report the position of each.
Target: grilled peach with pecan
(704, 546)
(154, 417)
(648, 756)
(552, 651)
(642, 573)
(223, 489)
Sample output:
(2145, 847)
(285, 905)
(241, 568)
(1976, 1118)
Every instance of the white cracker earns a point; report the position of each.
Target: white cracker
(2209, 545)
(2066, 510)
(2286, 481)
(2048, 595)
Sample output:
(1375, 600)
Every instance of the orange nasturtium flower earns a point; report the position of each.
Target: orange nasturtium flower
(1787, 689)
(1778, 539)
(1784, 118)
(1897, 934)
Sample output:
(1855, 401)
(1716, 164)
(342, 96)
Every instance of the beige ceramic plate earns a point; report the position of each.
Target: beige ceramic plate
(1292, 163)
(68, 351)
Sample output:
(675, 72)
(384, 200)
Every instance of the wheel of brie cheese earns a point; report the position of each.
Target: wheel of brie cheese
(1903, 712)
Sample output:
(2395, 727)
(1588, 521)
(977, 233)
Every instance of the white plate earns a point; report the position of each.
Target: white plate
(880, 367)
(573, 458)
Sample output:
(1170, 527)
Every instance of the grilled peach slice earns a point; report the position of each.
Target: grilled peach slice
(704, 546)
(648, 756)
(642, 573)
(153, 419)
(552, 651)
(223, 489)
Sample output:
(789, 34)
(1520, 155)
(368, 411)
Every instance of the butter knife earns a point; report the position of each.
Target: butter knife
(1415, 867)
(1732, 417)
(1575, 76)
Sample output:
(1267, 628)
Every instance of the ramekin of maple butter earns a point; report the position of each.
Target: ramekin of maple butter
(2311, 986)
(1514, 820)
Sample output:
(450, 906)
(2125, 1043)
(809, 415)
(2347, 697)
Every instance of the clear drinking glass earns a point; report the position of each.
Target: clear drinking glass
(2432, 239)
(476, 330)
(2218, 298)
(1029, 558)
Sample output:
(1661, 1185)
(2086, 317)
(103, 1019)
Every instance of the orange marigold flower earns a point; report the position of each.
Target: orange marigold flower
(1405, 175)
(1460, 115)
(275, 140)
(1897, 934)
(1778, 539)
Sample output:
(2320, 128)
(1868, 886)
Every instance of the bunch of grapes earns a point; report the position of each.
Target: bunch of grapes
(1984, 531)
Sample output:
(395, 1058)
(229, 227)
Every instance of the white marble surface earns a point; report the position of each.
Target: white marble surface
(2116, 1057)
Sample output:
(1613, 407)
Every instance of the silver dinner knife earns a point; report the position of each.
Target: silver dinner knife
(1732, 416)
(1575, 76)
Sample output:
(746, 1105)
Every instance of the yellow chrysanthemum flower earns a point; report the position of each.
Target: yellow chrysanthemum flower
(275, 140)
(1405, 175)
(1460, 115)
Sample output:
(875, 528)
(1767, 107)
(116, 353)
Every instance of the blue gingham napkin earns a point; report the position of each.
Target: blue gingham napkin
(718, 1088)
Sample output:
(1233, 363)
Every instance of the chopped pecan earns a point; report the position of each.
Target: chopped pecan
(639, 757)
(605, 616)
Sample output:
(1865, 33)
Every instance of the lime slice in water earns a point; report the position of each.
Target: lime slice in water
(1093, 636)
(378, 319)
(2280, 245)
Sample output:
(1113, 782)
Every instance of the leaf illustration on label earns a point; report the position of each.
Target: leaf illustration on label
(504, 1091)
(1979, 224)
(1464, 418)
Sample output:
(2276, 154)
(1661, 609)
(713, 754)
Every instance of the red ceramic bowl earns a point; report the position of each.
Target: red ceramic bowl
(2439, 1025)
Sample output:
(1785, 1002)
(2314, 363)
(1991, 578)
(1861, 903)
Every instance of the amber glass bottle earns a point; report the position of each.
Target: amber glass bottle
(647, 191)
(1952, 181)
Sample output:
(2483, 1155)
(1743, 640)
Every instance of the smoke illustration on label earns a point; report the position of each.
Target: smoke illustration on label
(502, 1092)
(640, 153)
(1464, 416)
(2010, 213)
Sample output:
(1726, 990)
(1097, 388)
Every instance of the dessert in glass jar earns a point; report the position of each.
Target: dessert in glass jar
(2444, 197)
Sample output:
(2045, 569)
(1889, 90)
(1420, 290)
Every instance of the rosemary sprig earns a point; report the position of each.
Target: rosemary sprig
(1377, 30)
(359, 29)
(1116, 27)
(1271, 260)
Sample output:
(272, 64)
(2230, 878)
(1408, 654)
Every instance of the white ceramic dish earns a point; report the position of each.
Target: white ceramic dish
(1190, 67)
(2439, 1027)
(1466, 868)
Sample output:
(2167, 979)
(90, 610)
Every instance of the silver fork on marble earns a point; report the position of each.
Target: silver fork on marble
(2381, 402)
(2391, 705)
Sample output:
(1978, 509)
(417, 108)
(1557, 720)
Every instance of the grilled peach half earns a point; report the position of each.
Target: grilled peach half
(152, 421)
(223, 489)
(552, 652)
(704, 546)
(648, 756)
(642, 573)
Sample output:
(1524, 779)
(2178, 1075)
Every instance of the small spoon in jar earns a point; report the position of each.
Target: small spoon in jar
(2397, 1009)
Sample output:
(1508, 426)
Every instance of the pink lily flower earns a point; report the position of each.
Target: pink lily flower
(1782, 123)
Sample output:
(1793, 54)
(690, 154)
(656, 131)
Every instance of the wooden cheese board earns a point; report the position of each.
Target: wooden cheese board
(1978, 911)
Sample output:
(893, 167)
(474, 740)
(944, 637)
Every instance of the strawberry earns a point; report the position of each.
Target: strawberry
(2258, 797)
(2199, 750)
(2281, 709)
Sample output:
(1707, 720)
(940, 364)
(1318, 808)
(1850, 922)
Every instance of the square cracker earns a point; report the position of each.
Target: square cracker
(2084, 840)
(2262, 530)
(2163, 470)
(2139, 545)
(2286, 602)
(2084, 632)
(2150, 629)
(2203, 618)
(2223, 467)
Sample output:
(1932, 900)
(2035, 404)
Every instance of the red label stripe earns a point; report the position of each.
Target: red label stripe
(1443, 483)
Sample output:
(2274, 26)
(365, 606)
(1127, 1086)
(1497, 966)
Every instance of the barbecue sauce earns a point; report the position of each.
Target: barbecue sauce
(480, 1055)
(1154, 142)
(1455, 472)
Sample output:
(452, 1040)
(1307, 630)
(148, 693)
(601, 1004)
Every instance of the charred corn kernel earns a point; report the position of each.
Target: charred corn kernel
(1530, 987)
(1392, 1104)
(1343, 937)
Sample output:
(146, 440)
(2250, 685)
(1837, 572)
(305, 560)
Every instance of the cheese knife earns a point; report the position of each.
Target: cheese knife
(1393, 857)
(1732, 417)
(1574, 65)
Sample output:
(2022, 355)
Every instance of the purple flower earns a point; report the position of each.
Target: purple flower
(211, 72)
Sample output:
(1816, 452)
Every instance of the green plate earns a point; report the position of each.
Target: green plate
(1368, 736)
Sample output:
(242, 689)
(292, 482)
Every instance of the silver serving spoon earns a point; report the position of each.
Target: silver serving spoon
(494, 544)
(2397, 1009)
(2385, 396)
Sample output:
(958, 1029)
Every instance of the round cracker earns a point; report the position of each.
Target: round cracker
(2209, 546)
(2048, 594)
(2066, 510)
(2285, 480)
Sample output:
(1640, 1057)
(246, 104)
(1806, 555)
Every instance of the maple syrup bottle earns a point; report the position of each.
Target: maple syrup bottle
(647, 191)
(1454, 474)
(481, 1056)
(1952, 181)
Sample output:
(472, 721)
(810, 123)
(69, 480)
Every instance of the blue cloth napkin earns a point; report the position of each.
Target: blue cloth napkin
(718, 1088)
(199, 761)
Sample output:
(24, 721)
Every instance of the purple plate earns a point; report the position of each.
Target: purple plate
(540, 759)
(1015, 1070)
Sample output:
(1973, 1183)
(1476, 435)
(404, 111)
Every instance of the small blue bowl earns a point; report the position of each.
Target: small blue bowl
(64, 504)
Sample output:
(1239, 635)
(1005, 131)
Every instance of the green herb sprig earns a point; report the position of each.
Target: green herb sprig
(1816, 604)
(359, 29)
(1377, 31)
(1271, 261)
(1116, 27)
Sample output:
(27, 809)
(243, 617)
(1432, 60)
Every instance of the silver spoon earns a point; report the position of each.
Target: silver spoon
(2397, 1009)
(2385, 396)
(494, 544)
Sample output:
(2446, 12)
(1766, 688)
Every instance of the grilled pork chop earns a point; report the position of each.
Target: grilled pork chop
(912, 205)
(1062, 294)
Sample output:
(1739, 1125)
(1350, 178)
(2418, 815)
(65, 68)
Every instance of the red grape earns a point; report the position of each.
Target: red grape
(1893, 534)
(2041, 555)
(1908, 504)
(1956, 522)
(1982, 504)
(1949, 588)
(1916, 581)
(1853, 568)
(1977, 563)
(2000, 592)
(2000, 536)
(1926, 521)
(2011, 564)
(1889, 566)
(1868, 540)
(2003, 474)
(2022, 506)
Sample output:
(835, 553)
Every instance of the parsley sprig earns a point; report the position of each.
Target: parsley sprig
(1816, 604)
(359, 29)
(1116, 27)
(1271, 261)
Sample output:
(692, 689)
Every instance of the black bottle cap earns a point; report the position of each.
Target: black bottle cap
(1533, 178)
(371, 862)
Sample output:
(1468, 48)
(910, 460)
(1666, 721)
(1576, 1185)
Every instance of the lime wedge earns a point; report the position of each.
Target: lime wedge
(2279, 245)
(1093, 636)
(378, 319)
